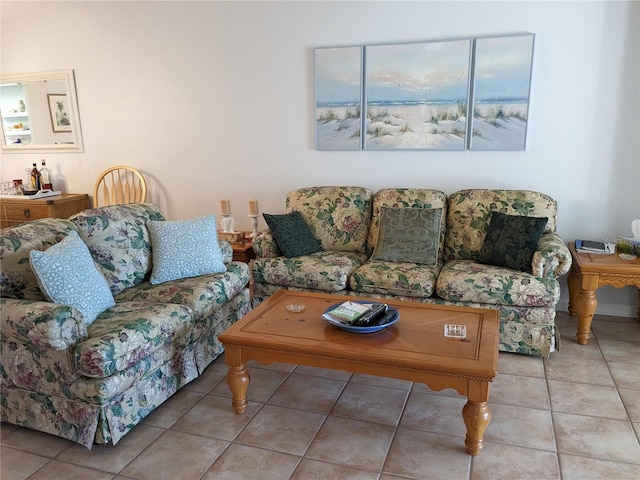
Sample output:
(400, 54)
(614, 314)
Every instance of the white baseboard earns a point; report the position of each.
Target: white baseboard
(610, 309)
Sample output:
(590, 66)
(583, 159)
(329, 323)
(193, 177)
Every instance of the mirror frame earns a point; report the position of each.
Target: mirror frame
(68, 77)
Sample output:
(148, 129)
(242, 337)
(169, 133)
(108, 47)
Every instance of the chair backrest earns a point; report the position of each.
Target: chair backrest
(119, 185)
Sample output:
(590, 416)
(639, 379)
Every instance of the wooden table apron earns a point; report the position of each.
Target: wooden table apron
(590, 271)
(468, 379)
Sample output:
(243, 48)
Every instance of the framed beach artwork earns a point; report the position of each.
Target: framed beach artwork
(502, 78)
(416, 95)
(338, 98)
(60, 121)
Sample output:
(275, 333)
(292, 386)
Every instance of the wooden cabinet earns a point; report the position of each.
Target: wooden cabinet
(14, 211)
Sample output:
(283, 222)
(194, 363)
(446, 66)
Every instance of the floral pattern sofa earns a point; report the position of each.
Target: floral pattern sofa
(345, 220)
(93, 384)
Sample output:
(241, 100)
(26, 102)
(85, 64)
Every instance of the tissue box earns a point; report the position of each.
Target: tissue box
(628, 245)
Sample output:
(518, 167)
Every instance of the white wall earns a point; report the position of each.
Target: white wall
(215, 100)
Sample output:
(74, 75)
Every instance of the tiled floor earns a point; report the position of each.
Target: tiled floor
(576, 415)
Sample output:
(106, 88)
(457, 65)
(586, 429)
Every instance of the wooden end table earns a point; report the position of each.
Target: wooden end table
(590, 271)
(414, 349)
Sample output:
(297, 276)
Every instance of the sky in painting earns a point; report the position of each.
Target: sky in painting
(338, 74)
(503, 67)
(429, 71)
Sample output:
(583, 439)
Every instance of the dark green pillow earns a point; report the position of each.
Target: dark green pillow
(292, 234)
(408, 235)
(511, 241)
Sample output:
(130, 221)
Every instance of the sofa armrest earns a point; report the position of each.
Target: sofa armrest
(227, 251)
(552, 258)
(265, 246)
(45, 325)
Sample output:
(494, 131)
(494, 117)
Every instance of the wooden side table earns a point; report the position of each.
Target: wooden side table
(21, 209)
(243, 252)
(590, 271)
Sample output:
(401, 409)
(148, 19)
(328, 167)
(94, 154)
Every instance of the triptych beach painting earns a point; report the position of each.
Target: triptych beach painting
(445, 95)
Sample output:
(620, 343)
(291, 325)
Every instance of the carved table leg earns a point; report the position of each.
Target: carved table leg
(238, 381)
(585, 308)
(476, 417)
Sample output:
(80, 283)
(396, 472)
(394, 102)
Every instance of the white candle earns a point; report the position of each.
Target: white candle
(253, 208)
(225, 205)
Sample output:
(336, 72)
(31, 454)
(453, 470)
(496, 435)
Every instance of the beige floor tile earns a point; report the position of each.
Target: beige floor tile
(519, 390)
(214, 416)
(110, 458)
(516, 364)
(636, 427)
(631, 400)
(435, 414)
(508, 462)
(350, 442)
(447, 392)
(323, 372)
(620, 351)
(67, 471)
(315, 394)
(625, 375)
(316, 470)
(242, 462)
(574, 369)
(601, 438)
(262, 384)
(584, 468)
(626, 329)
(172, 409)
(282, 429)
(37, 442)
(520, 426)
(419, 454)
(585, 399)
(569, 346)
(215, 373)
(281, 367)
(381, 381)
(18, 465)
(176, 455)
(6, 429)
(371, 403)
(566, 325)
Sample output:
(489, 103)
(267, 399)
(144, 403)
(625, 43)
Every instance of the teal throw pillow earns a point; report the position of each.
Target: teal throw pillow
(184, 248)
(512, 240)
(408, 235)
(292, 234)
(67, 275)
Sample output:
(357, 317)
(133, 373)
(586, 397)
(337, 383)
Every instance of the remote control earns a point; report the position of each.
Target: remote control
(374, 312)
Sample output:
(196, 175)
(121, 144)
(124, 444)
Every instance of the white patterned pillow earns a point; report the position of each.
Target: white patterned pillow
(67, 275)
(184, 248)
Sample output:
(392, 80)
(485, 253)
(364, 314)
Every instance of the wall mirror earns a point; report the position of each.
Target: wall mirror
(40, 112)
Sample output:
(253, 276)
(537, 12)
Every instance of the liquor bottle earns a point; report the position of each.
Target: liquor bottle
(45, 178)
(35, 178)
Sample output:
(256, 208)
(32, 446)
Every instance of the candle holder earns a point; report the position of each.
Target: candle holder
(227, 223)
(254, 222)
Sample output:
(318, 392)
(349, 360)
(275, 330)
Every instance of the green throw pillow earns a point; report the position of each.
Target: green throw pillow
(184, 248)
(408, 235)
(512, 240)
(292, 234)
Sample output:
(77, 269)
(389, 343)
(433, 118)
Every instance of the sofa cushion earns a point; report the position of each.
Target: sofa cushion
(395, 278)
(184, 248)
(67, 275)
(324, 271)
(128, 332)
(17, 279)
(339, 217)
(292, 234)
(468, 281)
(511, 241)
(408, 235)
(118, 240)
(204, 294)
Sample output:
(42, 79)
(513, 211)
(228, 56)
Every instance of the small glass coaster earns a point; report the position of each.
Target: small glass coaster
(295, 307)
(455, 331)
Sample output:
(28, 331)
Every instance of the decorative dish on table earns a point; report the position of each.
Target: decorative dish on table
(386, 318)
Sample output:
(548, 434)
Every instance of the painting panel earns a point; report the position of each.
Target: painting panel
(502, 79)
(416, 95)
(60, 121)
(338, 98)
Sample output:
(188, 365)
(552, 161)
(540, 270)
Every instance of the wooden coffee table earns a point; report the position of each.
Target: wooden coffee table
(590, 271)
(414, 349)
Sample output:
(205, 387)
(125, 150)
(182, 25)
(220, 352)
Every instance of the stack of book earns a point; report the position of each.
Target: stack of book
(354, 313)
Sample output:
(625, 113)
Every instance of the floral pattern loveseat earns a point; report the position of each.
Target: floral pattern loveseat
(93, 384)
(345, 220)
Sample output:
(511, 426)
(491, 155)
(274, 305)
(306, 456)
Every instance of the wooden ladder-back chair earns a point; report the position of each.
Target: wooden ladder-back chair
(119, 185)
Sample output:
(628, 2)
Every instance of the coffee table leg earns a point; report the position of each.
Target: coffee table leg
(238, 381)
(476, 417)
